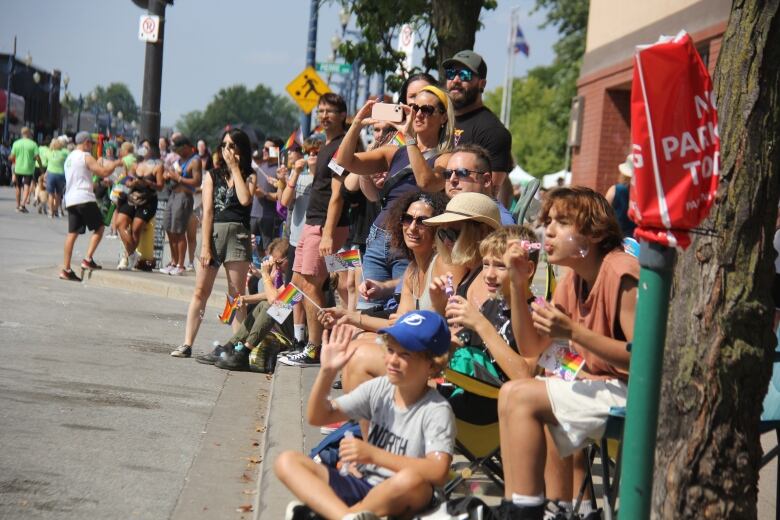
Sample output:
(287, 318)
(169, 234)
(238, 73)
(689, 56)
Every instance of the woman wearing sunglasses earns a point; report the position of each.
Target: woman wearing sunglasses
(227, 204)
(426, 133)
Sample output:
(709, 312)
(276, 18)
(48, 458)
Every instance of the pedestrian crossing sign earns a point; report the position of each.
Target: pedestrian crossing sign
(307, 88)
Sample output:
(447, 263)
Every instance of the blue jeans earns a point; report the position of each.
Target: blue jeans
(380, 263)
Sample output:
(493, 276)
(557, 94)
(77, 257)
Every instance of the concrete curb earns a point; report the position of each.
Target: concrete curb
(154, 284)
(284, 431)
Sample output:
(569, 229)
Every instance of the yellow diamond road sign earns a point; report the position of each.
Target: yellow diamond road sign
(307, 88)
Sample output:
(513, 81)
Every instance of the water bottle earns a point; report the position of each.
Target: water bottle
(344, 469)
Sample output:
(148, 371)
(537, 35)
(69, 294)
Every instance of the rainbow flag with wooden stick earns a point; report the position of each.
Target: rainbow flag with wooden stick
(343, 261)
(291, 140)
(290, 295)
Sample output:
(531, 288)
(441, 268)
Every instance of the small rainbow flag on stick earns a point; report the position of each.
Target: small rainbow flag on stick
(282, 306)
(290, 295)
(343, 261)
(398, 139)
(231, 306)
(291, 140)
(560, 360)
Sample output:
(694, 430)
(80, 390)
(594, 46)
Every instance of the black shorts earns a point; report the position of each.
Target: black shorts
(145, 212)
(23, 180)
(86, 215)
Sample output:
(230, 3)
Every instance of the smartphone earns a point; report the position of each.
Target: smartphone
(387, 112)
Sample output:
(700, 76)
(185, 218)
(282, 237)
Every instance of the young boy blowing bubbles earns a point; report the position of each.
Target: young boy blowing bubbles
(411, 433)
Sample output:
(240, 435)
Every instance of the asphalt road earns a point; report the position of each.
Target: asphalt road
(96, 419)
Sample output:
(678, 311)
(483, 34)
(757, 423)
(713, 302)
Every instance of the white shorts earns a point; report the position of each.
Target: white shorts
(582, 409)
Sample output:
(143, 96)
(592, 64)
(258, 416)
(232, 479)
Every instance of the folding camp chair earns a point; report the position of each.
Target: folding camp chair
(609, 448)
(480, 444)
(770, 418)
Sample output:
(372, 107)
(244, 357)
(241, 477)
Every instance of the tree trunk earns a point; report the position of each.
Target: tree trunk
(720, 342)
(455, 24)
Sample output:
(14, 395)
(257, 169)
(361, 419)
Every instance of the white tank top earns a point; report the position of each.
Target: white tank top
(78, 180)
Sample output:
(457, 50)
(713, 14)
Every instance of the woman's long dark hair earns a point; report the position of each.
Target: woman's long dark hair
(411, 79)
(243, 148)
(438, 201)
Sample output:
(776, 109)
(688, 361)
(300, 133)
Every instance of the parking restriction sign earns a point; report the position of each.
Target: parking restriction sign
(149, 28)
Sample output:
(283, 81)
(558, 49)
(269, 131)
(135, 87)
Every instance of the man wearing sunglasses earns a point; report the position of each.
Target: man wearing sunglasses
(466, 74)
(468, 171)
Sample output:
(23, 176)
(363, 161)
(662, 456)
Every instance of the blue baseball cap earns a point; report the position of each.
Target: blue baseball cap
(419, 331)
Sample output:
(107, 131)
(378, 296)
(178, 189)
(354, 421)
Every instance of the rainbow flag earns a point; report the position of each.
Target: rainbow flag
(343, 261)
(290, 295)
(231, 306)
(561, 361)
(317, 130)
(291, 140)
(398, 139)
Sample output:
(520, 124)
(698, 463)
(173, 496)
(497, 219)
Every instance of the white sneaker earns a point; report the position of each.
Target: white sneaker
(176, 271)
(123, 263)
(131, 261)
(189, 267)
(166, 269)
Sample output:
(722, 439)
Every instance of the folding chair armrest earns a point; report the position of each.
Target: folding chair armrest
(471, 385)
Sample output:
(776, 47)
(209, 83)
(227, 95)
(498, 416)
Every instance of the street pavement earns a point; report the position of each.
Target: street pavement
(96, 419)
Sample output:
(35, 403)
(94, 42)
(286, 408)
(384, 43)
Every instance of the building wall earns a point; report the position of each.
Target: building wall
(605, 80)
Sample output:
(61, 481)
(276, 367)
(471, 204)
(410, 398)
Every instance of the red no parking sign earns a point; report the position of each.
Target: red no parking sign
(149, 28)
(674, 135)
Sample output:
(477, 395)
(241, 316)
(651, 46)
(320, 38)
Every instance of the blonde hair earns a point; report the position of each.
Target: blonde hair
(495, 243)
(127, 147)
(56, 144)
(447, 131)
(465, 251)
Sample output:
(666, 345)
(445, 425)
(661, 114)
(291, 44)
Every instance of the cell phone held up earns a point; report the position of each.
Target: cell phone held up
(387, 112)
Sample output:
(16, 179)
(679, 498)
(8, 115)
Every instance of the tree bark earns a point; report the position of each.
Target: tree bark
(719, 347)
(455, 24)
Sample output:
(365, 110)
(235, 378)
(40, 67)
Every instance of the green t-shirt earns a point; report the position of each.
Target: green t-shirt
(57, 161)
(129, 160)
(43, 153)
(24, 151)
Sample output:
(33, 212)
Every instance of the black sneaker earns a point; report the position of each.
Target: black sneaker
(182, 351)
(507, 510)
(69, 275)
(214, 355)
(297, 346)
(90, 264)
(299, 511)
(236, 360)
(309, 357)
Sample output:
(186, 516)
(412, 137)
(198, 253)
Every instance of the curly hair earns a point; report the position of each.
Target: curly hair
(438, 201)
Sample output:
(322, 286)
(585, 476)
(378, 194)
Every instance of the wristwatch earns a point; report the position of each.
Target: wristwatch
(411, 141)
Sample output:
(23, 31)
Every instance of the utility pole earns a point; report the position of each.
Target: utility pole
(150, 103)
(311, 57)
(11, 62)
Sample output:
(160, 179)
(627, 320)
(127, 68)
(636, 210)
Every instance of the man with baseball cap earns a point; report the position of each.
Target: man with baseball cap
(466, 75)
(83, 211)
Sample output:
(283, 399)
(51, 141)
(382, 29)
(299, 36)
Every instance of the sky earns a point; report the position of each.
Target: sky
(210, 45)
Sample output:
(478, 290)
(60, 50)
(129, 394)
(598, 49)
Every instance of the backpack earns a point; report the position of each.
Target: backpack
(327, 451)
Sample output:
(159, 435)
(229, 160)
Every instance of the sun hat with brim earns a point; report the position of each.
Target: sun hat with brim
(627, 168)
(468, 206)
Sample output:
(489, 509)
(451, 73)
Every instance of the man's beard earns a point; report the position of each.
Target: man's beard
(470, 95)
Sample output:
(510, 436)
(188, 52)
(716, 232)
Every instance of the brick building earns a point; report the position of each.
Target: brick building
(615, 28)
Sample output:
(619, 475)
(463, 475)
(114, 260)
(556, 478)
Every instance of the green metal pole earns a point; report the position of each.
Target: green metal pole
(644, 382)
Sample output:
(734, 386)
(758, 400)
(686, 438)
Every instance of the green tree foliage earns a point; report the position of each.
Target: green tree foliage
(261, 109)
(541, 102)
(117, 93)
(443, 27)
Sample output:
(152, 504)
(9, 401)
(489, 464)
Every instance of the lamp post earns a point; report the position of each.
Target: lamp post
(66, 97)
(121, 117)
(110, 108)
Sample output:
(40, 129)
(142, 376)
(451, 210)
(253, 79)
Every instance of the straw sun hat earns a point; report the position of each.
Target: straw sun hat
(469, 206)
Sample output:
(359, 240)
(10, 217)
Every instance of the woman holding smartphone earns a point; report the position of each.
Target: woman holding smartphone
(426, 132)
(227, 204)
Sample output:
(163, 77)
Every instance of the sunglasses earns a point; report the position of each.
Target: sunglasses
(463, 74)
(426, 110)
(461, 173)
(231, 146)
(450, 234)
(407, 219)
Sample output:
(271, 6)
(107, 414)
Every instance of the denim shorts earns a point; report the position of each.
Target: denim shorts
(380, 262)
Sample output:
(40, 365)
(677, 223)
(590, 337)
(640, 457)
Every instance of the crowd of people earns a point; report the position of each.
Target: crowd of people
(445, 271)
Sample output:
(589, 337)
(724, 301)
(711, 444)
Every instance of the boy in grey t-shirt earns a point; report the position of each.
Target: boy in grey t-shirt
(411, 434)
